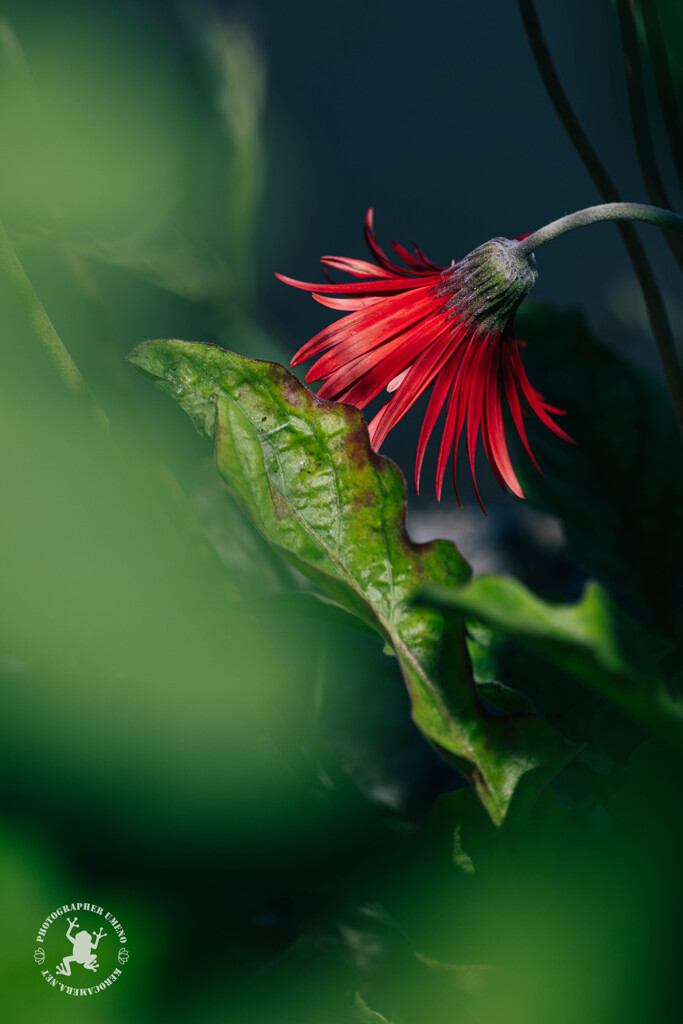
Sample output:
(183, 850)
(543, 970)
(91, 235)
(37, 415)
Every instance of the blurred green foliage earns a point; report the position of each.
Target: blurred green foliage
(190, 736)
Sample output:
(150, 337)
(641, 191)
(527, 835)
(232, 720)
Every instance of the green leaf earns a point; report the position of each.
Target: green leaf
(594, 641)
(560, 700)
(619, 492)
(304, 472)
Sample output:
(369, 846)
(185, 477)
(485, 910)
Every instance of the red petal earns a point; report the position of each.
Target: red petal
(445, 378)
(369, 364)
(475, 404)
(409, 259)
(364, 302)
(369, 326)
(375, 248)
(396, 382)
(436, 400)
(533, 397)
(427, 262)
(455, 414)
(493, 430)
(397, 355)
(398, 284)
(358, 268)
(419, 377)
(513, 398)
(364, 335)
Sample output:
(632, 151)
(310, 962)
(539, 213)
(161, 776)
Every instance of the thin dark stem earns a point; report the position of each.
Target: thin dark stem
(563, 107)
(640, 120)
(664, 83)
(659, 320)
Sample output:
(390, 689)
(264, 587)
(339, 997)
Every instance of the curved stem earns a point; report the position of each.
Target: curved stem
(628, 212)
(604, 212)
(560, 101)
(656, 310)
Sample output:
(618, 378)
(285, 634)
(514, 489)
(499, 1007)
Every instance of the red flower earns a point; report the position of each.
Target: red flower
(410, 327)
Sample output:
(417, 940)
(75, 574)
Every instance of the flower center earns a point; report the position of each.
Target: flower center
(489, 283)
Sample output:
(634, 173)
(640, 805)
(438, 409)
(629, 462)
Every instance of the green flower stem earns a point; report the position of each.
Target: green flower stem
(11, 265)
(625, 212)
(594, 215)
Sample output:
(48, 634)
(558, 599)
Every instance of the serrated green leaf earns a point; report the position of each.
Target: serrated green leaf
(305, 473)
(530, 684)
(593, 640)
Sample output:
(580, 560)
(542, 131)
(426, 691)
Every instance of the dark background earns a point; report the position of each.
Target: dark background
(436, 117)
(159, 162)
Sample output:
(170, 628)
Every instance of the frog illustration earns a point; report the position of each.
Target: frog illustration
(84, 949)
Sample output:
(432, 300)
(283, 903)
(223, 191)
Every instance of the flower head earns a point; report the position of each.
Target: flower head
(410, 327)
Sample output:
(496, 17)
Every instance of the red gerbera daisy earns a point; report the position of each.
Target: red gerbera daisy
(420, 325)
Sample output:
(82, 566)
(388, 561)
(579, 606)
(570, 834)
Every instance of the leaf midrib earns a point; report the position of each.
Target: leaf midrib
(351, 580)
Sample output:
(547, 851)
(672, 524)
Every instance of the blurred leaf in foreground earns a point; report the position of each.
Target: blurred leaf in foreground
(305, 473)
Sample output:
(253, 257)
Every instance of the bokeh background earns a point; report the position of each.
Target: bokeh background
(243, 787)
